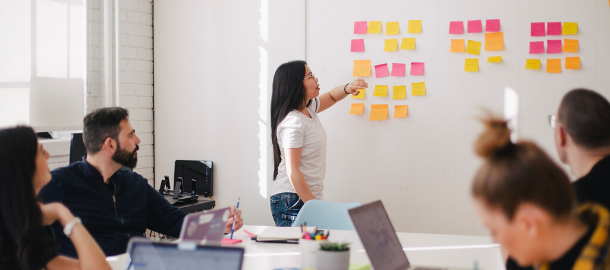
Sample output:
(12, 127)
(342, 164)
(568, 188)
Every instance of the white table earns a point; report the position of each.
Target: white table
(422, 249)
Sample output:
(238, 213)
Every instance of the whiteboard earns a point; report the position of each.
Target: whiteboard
(421, 166)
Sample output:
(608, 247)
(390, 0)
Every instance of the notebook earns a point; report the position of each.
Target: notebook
(283, 234)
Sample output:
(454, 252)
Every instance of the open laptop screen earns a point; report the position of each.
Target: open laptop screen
(378, 237)
(148, 255)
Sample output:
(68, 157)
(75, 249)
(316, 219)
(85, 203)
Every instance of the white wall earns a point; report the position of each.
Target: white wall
(214, 64)
(210, 99)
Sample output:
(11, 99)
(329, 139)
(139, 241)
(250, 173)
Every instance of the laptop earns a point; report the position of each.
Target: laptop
(379, 238)
(147, 255)
(205, 228)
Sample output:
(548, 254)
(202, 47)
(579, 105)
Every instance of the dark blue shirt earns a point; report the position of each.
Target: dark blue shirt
(112, 218)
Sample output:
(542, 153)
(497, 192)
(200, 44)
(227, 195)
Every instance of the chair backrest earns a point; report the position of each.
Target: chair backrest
(326, 215)
(77, 148)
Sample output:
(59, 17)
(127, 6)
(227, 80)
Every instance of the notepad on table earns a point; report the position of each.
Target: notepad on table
(282, 234)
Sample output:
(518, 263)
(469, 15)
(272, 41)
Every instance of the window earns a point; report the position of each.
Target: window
(42, 63)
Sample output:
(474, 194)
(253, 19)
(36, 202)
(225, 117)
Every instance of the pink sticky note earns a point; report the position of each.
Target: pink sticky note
(357, 45)
(360, 27)
(456, 27)
(553, 28)
(475, 26)
(381, 70)
(249, 233)
(492, 25)
(398, 69)
(538, 29)
(536, 47)
(553, 46)
(417, 68)
(227, 241)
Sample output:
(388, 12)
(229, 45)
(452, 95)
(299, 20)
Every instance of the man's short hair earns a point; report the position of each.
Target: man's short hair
(585, 115)
(101, 124)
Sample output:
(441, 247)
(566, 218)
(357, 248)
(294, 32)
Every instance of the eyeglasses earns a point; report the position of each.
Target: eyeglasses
(552, 120)
(312, 76)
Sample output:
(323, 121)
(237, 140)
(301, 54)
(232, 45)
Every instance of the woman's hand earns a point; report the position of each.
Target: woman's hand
(52, 212)
(353, 87)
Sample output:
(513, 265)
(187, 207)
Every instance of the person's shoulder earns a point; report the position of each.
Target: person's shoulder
(133, 177)
(292, 119)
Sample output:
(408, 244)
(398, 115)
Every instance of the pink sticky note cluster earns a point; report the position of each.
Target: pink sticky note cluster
(417, 68)
(538, 29)
(456, 27)
(360, 27)
(357, 45)
(398, 69)
(492, 25)
(553, 28)
(381, 70)
(475, 26)
(553, 46)
(536, 47)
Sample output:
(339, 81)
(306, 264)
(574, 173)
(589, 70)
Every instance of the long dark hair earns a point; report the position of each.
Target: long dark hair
(24, 243)
(288, 94)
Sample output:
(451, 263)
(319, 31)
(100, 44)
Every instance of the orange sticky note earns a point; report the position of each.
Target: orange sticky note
(362, 68)
(374, 27)
(360, 95)
(532, 64)
(494, 41)
(473, 47)
(553, 65)
(408, 44)
(471, 65)
(379, 112)
(399, 92)
(401, 111)
(570, 45)
(414, 27)
(380, 91)
(457, 45)
(357, 108)
(392, 28)
(418, 89)
(573, 62)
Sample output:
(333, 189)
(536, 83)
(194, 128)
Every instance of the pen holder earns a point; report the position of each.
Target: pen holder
(309, 250)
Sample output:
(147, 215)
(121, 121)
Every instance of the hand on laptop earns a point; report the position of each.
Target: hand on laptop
(238, 223)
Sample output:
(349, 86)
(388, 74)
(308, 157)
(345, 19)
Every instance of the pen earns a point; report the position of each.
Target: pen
(234, 218)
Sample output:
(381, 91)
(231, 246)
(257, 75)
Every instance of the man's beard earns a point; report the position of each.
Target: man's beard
(126, 158)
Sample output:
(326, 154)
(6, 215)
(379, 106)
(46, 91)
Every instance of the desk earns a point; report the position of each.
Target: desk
(422, 249)
(201, 204)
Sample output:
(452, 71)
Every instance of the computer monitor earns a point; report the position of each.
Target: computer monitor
(77, 148)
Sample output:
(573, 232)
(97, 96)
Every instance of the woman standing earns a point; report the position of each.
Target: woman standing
(299, 140)
(24, 241)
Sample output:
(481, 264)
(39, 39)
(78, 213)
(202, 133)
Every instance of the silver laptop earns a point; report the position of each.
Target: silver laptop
(147, 255)
(379, 238)
(206, 228)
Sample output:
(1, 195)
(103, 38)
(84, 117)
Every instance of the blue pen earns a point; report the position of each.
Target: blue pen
(234, 219)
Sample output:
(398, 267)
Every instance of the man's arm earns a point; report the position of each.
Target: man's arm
(162, 216)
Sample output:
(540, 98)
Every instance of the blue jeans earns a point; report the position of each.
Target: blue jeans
(284, 208)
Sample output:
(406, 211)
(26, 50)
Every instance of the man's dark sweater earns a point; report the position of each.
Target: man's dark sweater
(112, 213)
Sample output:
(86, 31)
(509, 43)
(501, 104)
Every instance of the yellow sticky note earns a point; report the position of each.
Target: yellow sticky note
(380, 91)
(553, 65)
(379, 112)
(401, 111)
(360, 95)
(408, 44)
(391, 28)
(362, 68)
(357, 108)
(418, 89)
(374, 27)
(532, 64)
(573, 62)
(457, 45)
(399, 91)
(390, 45)
(494, 41)
(414, 26)
(569, 28)
(471, 65)
(494, 59)
(473, 47)
(570, 45)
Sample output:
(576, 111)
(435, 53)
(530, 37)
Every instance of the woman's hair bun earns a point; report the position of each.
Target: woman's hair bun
(494, 139)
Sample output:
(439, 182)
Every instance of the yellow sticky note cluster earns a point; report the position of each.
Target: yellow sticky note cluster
(532, 64)
(473, 47)
(357, 108)
(471, 65)
(390, 45)
(553, 65)
(380, 91)
(408, 44)
(362, 68)
(360, 95)
(401, 111)
(379, 112)
(374, 27)
(414, 26)
(494, 41)
(418, 89)
(399, 92)
(392, 28)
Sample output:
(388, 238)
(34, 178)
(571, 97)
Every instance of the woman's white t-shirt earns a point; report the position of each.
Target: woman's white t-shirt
(299, 131)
